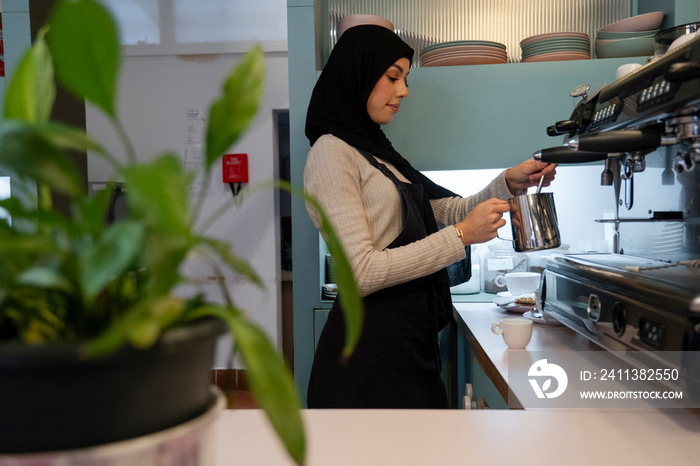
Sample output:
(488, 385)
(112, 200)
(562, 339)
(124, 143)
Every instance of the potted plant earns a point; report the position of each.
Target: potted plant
(82, 300)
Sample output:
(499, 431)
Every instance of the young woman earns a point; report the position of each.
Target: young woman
(386, 214)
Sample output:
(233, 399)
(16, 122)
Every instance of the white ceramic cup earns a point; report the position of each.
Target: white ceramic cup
(519, 283)
(625, 69)
(516, 331)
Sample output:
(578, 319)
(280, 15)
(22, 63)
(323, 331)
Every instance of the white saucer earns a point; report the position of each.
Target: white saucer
(503, 298)
(506, 301)
(540, 320)
(517, 308)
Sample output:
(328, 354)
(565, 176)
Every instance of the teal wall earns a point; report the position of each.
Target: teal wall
(676, 12)
(489, 116)
(305, 239)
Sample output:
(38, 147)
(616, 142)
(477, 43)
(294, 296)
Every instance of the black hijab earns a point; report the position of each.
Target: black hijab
(338, 103)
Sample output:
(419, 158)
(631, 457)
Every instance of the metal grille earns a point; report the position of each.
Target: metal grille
(422, 23)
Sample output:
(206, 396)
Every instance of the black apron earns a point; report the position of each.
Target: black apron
(396, 363)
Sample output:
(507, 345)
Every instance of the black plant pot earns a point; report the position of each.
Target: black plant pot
(52, 399)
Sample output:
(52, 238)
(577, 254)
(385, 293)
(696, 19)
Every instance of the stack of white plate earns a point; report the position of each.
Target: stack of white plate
(464, 52)
(330, 289)
(556, 46)
(631, 37)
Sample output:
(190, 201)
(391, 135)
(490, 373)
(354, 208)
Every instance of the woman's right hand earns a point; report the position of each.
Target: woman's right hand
(482, 223)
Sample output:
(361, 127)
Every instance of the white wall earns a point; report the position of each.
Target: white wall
(579, 198)
(175, 58)
(154, 94)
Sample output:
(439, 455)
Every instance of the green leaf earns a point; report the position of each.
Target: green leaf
(111, 339)
(51, 219)
(27, 153)
(272, 384)
(16, 209)
(44, 277)
(232, 113)
(23, 245)
(158, 192)
(270, 379)
(84, 43)
(141, 325)
(348, 293)
(31, 92)
(113, 253)
(68, 137)
(92, 211)
(238, 264)
(153, 319)
(165, 255)
(347, 287)
(17, 255)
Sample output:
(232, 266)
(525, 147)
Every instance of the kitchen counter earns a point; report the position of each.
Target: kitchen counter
(490, 350)
(477, 437)
(474, 437)
(474, 321)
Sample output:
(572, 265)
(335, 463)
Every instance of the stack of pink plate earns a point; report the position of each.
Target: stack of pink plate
(357, 20)
(630, 37)
(556, 46)
(464, 52)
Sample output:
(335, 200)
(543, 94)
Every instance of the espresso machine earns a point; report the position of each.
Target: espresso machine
(645, 126)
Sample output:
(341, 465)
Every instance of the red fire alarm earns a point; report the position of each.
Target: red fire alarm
(235, 168)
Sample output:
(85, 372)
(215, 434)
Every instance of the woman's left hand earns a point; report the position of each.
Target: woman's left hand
(528, 173)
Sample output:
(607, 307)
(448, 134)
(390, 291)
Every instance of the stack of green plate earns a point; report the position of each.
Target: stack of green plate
(556, 46)
(464, 52)
(631, 37)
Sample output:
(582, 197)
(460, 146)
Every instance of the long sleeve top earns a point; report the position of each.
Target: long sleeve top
(366, 211)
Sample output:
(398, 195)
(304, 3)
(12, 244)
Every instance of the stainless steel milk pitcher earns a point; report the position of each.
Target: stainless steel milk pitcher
(533, 219)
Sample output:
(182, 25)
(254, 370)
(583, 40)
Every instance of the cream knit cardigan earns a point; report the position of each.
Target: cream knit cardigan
(366, 212)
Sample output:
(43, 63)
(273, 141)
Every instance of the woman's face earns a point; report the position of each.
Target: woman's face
(384, 101)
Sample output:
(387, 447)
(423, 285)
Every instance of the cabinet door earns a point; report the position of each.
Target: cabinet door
(485, 392)
(467, 370)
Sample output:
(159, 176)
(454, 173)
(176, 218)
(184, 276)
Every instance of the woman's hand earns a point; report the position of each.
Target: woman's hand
(528, 173)
(482, 223)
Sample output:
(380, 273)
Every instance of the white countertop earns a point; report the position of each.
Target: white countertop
(479, 317)
(492, 351)
(473, 437)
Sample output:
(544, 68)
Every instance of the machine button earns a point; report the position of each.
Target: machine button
(593, 307)
(643, 97)
(619, 318)
(652, 333)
